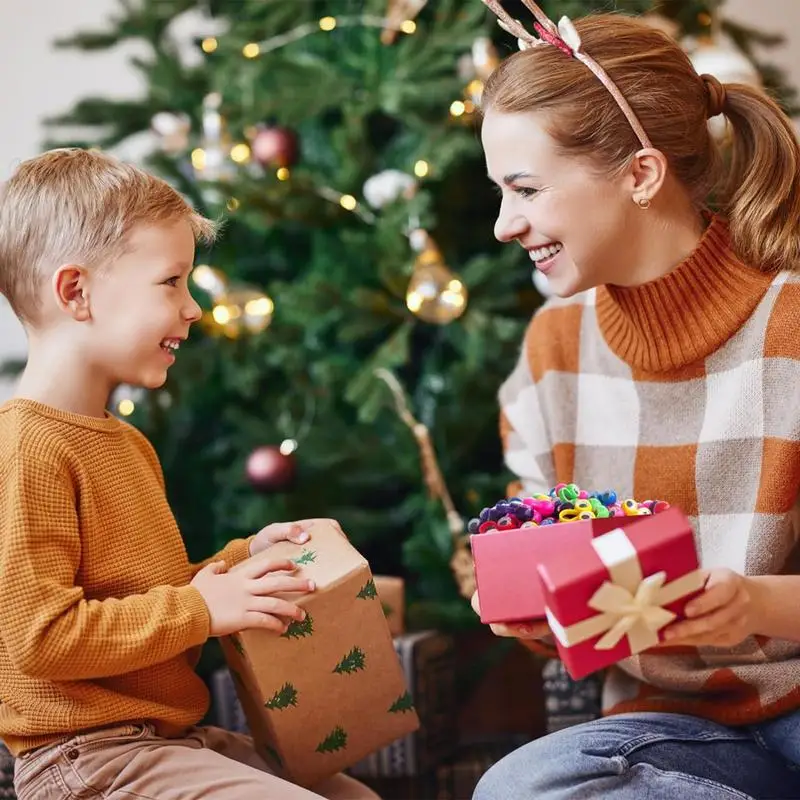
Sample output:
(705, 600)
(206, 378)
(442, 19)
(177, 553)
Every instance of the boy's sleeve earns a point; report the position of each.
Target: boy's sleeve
(233, 553)
(50, 629)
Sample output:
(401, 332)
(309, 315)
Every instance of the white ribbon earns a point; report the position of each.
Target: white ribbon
(629, 604)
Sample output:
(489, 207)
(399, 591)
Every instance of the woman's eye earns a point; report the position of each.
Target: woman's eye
(525, 191)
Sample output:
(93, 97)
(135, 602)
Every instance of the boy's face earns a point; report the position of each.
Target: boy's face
(141, 305)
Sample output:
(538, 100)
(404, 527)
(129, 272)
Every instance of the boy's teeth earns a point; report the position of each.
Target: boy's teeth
(540, 253)
(171, 344)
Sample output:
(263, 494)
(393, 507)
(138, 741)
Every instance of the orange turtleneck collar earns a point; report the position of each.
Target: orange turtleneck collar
(687, 314)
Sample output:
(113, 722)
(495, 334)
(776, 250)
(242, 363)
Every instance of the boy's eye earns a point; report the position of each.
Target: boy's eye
(173, 281)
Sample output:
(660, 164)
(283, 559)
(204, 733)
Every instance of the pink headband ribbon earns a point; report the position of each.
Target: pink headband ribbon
(565, 37)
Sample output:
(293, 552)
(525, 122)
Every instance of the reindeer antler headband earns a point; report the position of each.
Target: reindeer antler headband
(565, 38)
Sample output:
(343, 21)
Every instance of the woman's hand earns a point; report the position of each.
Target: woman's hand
(535, 629)
(724, 615)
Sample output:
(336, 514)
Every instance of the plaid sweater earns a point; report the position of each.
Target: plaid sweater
(685, 389)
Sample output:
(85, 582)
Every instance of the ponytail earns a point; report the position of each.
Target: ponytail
(762, 190)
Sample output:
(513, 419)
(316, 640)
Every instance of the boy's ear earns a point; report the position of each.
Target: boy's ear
(71, 289)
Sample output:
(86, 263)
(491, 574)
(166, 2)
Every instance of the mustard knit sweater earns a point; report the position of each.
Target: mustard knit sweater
(98, 624)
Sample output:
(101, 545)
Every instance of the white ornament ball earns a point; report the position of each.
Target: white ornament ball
(385, 187)
(172, 129)
(542, 284)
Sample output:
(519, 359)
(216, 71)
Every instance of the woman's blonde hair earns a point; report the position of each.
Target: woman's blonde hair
(759, 187)
(77, 206)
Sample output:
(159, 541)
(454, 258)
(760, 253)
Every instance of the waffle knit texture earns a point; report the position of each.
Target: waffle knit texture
(98, 622)
(683, 389)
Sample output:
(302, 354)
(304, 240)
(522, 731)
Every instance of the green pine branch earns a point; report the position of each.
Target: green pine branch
(354, 661)
(285, 696)
(335, 740)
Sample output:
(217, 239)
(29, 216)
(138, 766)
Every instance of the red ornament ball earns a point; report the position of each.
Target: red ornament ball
(269, 470)
(275, 146)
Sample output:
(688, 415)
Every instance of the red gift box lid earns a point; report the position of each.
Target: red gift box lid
(663, 542)
(505, 564)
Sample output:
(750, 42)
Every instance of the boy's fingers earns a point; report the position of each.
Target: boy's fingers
(264, 567)
(255, 619)
(270, 584)
(277, 607)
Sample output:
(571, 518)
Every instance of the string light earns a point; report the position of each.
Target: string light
(209, 44)
(126, 407)
(199, 159)
(348, 202)
(283, 174)
(232, 204)
(421, 168)
(457, 108)
(327, 24)
(240, 153)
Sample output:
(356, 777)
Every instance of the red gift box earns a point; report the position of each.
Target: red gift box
(610, 597)
(505, 564)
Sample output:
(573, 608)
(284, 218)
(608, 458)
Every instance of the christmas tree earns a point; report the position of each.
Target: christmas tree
(357, 269)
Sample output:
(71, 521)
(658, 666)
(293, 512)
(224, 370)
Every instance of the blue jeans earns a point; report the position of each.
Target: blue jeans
(653, 757)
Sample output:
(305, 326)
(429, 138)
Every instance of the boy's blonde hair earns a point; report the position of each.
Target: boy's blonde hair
(74, 206)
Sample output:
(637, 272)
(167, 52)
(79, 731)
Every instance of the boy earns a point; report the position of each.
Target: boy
(101, 614)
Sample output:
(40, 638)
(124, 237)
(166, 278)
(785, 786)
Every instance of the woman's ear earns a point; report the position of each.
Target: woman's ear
(647, 174)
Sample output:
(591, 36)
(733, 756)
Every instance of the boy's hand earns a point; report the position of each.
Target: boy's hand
(535, 629)
(724, 615)
(242, 599)
(296, 532)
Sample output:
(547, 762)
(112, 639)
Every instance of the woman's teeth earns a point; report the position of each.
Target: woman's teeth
(541, 253)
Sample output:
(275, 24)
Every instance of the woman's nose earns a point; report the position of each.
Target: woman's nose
(509, 226)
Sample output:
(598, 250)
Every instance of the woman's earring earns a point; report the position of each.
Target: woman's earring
(643, 203)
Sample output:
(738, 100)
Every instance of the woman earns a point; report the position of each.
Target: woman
(666, 367)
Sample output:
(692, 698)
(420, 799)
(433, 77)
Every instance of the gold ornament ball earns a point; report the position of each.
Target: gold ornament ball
(243, 309)
(436, 295)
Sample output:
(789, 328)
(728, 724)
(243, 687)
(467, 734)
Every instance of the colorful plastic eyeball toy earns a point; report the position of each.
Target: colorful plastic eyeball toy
(583, 505)
(529, 524)
(489, 525)
(568, 493)
(630, 508)
(506, 523)
(584, 515)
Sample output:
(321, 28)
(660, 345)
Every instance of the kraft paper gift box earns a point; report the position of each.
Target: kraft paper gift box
(330, 690)
(392, 594)
(505, 564)
(611, 596)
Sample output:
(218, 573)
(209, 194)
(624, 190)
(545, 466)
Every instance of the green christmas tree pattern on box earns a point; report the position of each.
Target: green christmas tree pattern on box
(354, 661)
(307, 557)
(335, 740)
(402, 704)
(285, 696)
(368, 591)
(299, 629)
